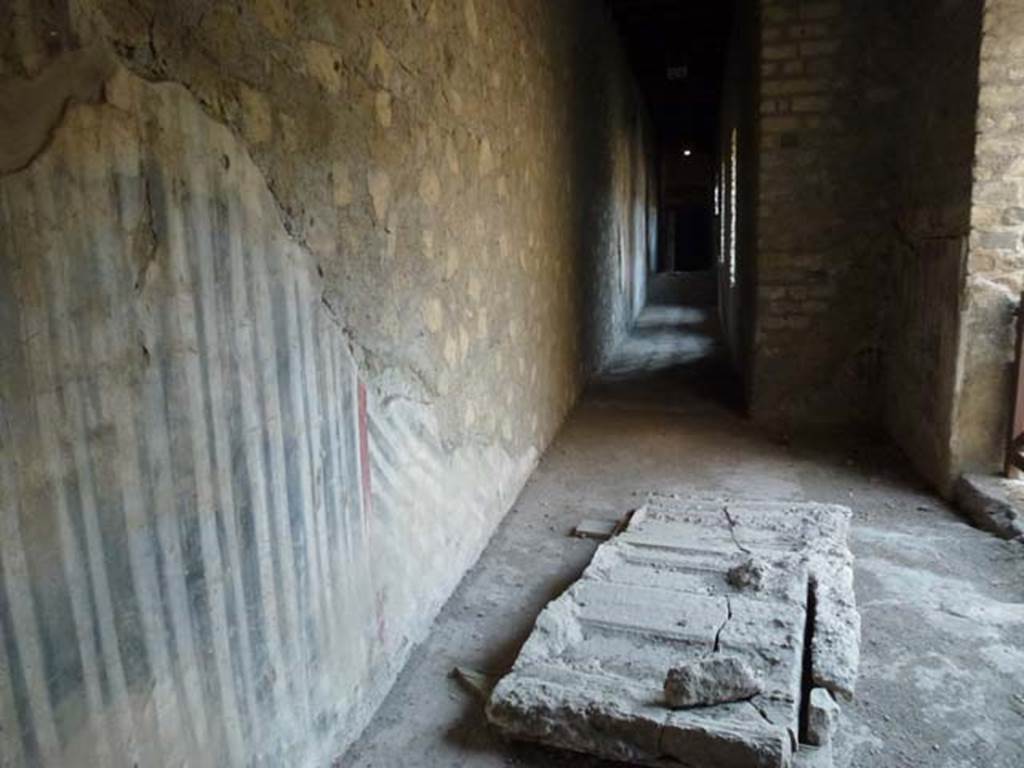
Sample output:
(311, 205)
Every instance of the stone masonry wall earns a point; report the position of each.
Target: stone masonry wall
(828, 171)
(922, 327)
(295, 292)
(995, 263)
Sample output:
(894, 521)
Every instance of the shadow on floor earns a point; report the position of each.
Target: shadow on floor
(674, 354)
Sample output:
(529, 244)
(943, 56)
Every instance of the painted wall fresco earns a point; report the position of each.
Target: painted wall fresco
(296, 299)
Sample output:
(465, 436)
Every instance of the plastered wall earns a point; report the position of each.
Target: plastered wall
(296, 295)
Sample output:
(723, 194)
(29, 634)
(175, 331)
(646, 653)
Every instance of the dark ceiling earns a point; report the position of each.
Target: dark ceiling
(678, 51)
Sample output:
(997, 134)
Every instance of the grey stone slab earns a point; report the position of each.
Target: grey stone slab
(664, 594)
(994, 504)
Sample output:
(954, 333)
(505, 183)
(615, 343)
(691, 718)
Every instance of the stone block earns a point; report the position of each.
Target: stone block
(822, 717)
(705, 682)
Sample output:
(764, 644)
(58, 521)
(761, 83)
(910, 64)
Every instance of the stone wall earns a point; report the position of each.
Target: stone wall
(297, 294)
(827, 177)
(995, 264)
(922, 329)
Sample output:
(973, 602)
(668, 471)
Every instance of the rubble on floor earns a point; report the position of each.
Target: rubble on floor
(715, 680)
(599, 530)
(721, 594)
(478, 683)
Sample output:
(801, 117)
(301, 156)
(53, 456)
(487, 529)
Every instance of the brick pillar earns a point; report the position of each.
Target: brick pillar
(827, 133)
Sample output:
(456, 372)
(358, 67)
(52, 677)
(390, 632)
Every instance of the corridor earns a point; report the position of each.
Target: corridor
(325, 322)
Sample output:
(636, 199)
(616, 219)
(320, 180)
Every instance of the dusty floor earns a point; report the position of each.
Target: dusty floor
(942, 675)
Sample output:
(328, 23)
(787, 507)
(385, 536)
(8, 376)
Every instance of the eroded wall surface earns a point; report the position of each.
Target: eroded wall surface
(828, 171)
(934, 223)
(995, 264)
(297, 294)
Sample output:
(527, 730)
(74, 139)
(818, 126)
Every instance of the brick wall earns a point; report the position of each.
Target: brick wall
(890, 250)
(826, 184)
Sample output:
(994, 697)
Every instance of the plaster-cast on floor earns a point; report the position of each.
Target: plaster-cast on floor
(942, 667)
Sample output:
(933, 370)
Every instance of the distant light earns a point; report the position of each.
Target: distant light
(687, 152)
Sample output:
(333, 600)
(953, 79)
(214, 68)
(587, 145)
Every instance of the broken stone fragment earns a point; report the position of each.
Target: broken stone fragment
(750, 574)
(716, 680)
(600, 530)
(822, 717)
(479, 683)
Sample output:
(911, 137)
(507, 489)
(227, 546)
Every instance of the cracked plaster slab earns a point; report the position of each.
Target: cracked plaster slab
(590, 677)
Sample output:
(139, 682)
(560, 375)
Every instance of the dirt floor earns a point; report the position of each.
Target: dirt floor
(942, 668)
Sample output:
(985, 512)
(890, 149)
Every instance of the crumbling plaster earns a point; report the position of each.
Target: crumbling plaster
(462, 189)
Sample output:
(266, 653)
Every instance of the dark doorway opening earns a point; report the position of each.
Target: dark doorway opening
(689, 246)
